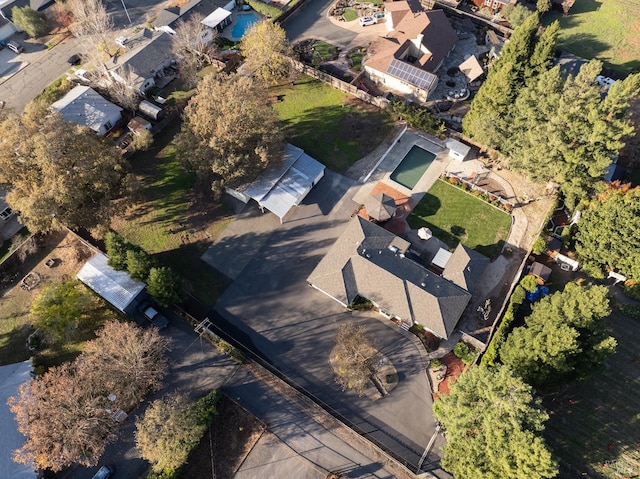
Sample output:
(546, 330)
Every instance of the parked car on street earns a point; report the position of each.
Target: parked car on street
(103, 473)
(151, 312)
(15, 47)
(366, 21)
(75, 59)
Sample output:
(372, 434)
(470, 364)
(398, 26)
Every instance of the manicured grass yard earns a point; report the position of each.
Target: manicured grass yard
(604, 29)
(455, 216)
(329, 125)
(323, 52)
(174, 218)
(595, 423)
(350, 14)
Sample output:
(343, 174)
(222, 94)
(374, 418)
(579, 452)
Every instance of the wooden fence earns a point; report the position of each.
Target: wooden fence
(341, 85)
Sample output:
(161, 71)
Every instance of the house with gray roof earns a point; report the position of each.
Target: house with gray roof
(85, 106)
(148, 54)
(370, 262)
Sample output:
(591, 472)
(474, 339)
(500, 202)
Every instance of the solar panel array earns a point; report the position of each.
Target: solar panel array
(413, 75)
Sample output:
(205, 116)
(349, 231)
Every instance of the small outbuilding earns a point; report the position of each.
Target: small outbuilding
(116, 287)
(471, 68)
(137, 124)
(541, 272)
(284, 184)
(457, 150)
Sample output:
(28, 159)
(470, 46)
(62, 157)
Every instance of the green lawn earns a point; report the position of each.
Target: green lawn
(173, 219)
(455, 216)
(350, 14)
(604, 29)
(323, 52)
(331, 126)
(595, 422)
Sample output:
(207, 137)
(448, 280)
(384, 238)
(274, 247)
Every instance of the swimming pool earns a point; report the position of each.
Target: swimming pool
(412, 167)
(243, 23)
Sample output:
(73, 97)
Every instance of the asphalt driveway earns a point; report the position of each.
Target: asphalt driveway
(273, 311)
(311, 21)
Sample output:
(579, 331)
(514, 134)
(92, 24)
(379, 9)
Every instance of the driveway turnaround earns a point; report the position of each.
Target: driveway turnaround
(272, 310)
(311, 21)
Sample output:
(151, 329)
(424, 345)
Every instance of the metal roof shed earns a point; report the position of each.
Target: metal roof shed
(286, 184)
(116, 287)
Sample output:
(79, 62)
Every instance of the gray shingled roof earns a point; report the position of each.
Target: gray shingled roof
(85, 106)
(465, 267)
(369, 261)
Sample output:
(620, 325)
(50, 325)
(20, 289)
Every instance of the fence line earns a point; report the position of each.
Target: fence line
(475, 187)
(341, 85)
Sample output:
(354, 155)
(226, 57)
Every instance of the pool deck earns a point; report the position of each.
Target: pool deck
(393, 158)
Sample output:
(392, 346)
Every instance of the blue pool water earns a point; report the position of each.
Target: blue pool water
(243, 23)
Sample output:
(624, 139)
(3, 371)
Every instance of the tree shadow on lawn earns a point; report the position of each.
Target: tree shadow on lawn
(339, 135)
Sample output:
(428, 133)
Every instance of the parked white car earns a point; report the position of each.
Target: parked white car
(366, 21)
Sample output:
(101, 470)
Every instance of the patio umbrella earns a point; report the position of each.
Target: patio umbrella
(380, 207)
(425, 233)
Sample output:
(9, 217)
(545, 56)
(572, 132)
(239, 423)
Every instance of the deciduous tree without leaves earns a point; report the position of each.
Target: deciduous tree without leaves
(353, 357)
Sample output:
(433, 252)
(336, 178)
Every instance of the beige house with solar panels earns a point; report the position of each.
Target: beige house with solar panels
(407, 58)
(373, 263)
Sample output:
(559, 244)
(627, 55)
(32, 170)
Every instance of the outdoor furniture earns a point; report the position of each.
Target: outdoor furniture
(380, 206)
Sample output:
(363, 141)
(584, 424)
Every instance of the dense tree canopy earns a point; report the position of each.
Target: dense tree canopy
(265, 49)
(165, 286)
(65, 414)
(32, 22)
(552, 129)
(172, 427)
(493, 425)
(609, 232)
(59, 307)
(57, 173)
(564, 336)
(230, 132)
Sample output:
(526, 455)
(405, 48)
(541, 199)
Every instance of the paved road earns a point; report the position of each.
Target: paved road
(310, 21)
(275, 312)
(300, 446)
(39, 67)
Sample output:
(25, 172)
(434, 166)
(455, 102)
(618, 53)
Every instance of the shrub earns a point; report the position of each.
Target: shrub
(436, 363)
(592, 270)
(529, 283)
(267, 10)
(430, 341)
(417, 117)
(539, 246)
(631, 310)
(30, 21)
(465, 352)
(632, 291)
(165, 286)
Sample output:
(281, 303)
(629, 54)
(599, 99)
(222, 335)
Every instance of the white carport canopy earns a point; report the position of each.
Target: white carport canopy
(286, 184)
(116, 287)
(216, 17)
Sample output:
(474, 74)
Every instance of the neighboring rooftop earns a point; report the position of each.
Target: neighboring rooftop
(85, 106)
(369, 261)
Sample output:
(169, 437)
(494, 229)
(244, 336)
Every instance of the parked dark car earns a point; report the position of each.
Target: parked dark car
(74, 59)
(150, 312)
(103, 473)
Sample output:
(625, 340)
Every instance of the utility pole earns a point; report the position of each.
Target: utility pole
(126, 11)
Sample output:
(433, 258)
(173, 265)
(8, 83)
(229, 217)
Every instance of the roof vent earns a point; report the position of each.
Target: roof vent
(393, 248)
(423, 285)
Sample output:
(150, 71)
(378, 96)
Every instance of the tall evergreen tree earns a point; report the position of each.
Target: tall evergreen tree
(543, 52)
(488, 119)
(564, 336)
(536, 146)
(609, 233)
(493, 424)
